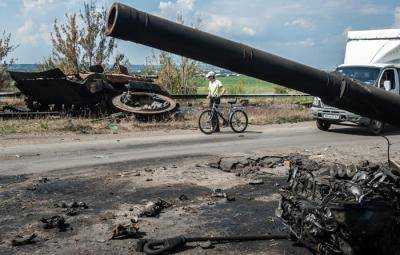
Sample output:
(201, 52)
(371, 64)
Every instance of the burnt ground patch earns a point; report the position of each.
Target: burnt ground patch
(6, 180)
(25, 202)
(249, 216)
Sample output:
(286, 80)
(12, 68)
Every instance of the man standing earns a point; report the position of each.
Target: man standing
(215, 91)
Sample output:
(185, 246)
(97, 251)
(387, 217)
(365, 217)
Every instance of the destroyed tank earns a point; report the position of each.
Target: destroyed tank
(95, 91)
(132, 25)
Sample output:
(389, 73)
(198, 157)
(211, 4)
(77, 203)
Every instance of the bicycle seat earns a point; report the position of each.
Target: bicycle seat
(232, 101)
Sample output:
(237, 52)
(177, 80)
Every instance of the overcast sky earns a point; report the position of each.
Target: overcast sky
(310, 31)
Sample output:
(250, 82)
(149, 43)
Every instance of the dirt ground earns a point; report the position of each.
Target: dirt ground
(115, 194)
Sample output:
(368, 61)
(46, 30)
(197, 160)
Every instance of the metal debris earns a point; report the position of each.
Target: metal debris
(76, 205)
(127, 231)
(154, 208)
(24, 240)
(219, 193)
(342, 215)
(256, 182)
(73, 208)
(245, 165)
(54, 222)
(183, 197)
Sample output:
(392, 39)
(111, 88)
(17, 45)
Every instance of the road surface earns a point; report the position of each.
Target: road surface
(141, 149)
(116, 176)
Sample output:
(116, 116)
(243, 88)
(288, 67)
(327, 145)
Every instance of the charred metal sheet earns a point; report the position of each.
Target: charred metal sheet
(129, 24)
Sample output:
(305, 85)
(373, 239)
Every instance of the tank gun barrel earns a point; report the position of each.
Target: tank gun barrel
(132, 25)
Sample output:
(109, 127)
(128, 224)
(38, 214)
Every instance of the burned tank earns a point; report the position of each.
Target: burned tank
(94, 92)
(129, 24)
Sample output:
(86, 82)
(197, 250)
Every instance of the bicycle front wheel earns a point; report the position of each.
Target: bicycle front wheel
(239, 121)
(205, 122)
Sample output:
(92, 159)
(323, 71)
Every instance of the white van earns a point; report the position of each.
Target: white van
(373, 58)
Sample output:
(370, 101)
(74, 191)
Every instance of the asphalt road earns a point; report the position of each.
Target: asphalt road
(137, 148)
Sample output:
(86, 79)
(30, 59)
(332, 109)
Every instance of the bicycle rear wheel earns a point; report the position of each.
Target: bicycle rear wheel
(205, 122)
(239, 121)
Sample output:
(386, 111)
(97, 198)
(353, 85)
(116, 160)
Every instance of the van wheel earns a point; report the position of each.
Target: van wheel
(376, 127)
(323, 125)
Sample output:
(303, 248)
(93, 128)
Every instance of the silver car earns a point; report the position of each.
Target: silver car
(383, 76)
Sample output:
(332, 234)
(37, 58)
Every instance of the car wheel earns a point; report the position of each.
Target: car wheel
(323, 125)
(376, 127)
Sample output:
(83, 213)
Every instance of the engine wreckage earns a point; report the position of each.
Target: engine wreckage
(356, 213)
(94, 92)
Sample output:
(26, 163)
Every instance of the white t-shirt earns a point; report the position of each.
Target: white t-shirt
(215, 88)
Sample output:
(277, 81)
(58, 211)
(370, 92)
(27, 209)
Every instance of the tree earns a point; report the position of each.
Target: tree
(6, 48)
(179, 76)
(66, 48)
(80, 42)
(168, 75)
(97, 47)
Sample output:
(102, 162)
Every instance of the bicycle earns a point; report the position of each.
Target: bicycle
(237, 118)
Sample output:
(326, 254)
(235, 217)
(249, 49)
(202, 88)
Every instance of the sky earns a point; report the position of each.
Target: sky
(312, 32)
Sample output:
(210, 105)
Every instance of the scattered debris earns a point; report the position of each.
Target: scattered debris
(43, 180)
(149, 170)
(230, 198)
(127, 231)
(24, 240)
(153, 209)
(246, 165)
(219, 193)
(73, 205)
(206, 245)
(342, 215)
(256, 182)
(54, 222)
(183, 197)
(73, 208)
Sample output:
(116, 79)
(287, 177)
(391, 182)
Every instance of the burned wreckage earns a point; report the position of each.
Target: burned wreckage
(355, 211)
(94, 92)
(357, 215)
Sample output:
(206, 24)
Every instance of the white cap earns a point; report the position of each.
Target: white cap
(210, 74)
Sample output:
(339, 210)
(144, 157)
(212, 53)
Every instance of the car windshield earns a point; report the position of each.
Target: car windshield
(367, 75)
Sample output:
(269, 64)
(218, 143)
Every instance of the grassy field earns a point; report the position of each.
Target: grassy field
(239, 85)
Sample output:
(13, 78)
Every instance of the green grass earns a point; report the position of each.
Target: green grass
(238, 85)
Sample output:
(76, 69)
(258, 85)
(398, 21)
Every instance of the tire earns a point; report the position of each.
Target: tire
(323, 125)
(205, 122)
(236, 117)
(376, 127)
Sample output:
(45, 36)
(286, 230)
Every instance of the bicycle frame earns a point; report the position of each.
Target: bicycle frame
(232, 109)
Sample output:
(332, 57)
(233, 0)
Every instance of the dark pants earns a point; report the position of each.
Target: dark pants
(215, 119)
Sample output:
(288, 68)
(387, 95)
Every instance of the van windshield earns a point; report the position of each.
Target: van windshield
(367, 75)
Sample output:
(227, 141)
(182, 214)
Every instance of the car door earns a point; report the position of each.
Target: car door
(390, 75)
